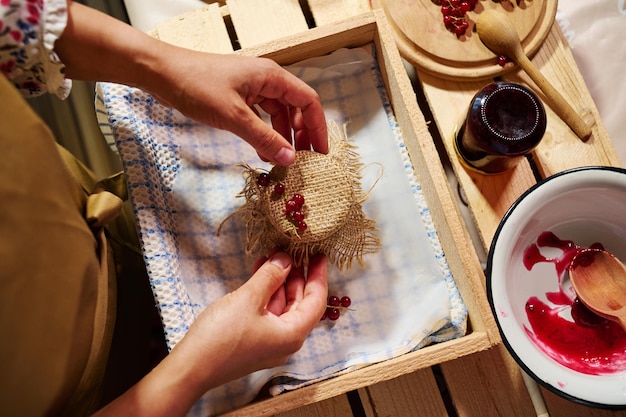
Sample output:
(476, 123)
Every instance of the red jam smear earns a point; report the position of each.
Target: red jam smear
(588, 343)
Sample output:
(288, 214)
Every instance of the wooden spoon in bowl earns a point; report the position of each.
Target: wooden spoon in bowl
(497, 32)
(599, 279)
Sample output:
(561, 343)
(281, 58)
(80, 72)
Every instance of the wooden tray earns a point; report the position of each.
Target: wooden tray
(365, 29)
(424, 41)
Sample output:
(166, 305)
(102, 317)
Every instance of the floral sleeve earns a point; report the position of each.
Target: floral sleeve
(28, 30)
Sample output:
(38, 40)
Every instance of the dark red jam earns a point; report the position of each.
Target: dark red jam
(587, 343)
(504, 122)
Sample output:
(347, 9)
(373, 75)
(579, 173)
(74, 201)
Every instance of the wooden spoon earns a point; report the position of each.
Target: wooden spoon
(599, 279)
(497, 32)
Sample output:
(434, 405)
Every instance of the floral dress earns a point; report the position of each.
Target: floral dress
(28, 30)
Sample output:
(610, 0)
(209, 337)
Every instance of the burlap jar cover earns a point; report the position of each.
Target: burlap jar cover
(335, 223)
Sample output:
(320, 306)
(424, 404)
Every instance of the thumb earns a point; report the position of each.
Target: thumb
(269, 277)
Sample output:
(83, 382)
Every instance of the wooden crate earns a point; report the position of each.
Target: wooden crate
(210, 29)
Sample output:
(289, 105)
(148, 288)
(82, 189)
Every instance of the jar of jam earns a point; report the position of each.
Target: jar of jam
(504, 122)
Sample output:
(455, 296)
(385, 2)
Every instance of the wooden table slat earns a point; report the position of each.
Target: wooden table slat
(338, 406)
(209, 34)
(560, 407)
(330, 11)
(487, 384)
(415, 394)
(260, 21)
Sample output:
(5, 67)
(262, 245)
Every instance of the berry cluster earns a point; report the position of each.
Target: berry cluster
(455, 15)
(334, 307)
(294, 207)
(294, 210)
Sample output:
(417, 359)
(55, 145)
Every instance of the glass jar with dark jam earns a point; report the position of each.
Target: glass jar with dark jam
(505, 121)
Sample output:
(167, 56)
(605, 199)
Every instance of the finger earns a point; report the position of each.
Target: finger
(258, 263)
(313, 303)
(268, 279)
(279, 116)
(294, 287)
(300, 135)
(315, 127)
(277, 302)
(268, 143)
(290, 90)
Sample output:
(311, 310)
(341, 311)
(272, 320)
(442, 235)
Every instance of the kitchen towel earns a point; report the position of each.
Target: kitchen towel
(183, 180)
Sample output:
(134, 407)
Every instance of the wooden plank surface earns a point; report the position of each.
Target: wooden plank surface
(488, 384)
(415, 394)
(338, 406)
(326, 12)
(209, 32)
(260, 21)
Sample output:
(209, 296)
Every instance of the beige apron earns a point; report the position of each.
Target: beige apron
(57, 273)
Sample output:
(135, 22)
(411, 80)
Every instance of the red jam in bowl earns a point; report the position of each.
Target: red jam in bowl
(586, 343)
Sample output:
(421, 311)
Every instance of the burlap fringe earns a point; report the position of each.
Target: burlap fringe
(352, 237)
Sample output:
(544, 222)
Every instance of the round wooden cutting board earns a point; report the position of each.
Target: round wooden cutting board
(424, 41)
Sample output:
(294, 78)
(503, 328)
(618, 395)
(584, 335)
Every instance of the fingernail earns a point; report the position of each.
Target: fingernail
(285, 156)
(281, 260)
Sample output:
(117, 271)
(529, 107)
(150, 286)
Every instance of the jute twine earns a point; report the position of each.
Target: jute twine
(330, 184)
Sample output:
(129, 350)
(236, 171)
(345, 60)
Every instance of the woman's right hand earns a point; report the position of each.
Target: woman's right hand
(257, 326)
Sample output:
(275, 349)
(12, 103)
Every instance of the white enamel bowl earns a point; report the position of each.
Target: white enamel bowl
(585, 205)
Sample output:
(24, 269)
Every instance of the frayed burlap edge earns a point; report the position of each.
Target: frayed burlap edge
(351, 239)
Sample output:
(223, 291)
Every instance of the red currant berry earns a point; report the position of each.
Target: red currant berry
(454, 3)
(263, 179)
(279, 189)
(298, 216)
(445, 10)
(325, 315)
(334, 301)
(457, 13)
(291, 206)
(299, 199)
(333, 314)
(465, 6)
(345, 301)
(302, 226)
(459, 31)
(502, 60)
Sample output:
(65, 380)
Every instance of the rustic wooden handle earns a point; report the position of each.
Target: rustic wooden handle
(561, 107)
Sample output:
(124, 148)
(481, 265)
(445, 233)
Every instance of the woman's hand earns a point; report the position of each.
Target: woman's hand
(257, 326)
(218, 90)
(262, 323)
(223, 90)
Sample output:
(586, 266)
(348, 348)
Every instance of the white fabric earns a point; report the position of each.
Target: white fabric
(596, 33)
(183, 182)
(54, 22)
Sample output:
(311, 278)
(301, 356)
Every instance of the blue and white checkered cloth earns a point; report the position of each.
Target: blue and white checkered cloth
(183, 181)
